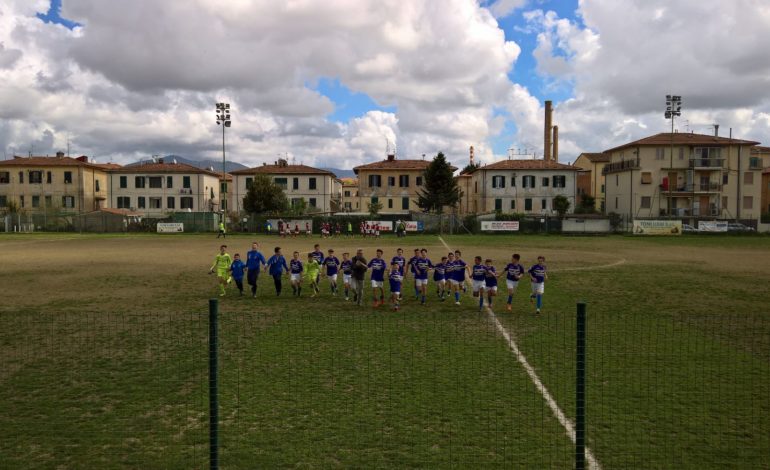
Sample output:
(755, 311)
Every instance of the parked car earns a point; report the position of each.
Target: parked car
(687, 228)
(737, 227)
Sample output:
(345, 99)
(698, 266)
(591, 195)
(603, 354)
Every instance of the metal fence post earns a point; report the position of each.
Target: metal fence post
(213, 397)
(580, 389)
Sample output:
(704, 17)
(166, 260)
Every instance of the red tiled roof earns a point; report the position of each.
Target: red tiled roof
(284, 169)
(349, 181)
(396, 165)
(683, 138)
(596, 157)
(527, 165)
(39, 161)
(165, 168)
(760, 149)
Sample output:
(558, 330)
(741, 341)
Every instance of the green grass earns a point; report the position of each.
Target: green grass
(103, 359)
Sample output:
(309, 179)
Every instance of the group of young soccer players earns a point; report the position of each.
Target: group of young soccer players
(451, 275)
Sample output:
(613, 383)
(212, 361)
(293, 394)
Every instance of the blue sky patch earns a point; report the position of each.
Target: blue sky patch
(347, 103)
(53, 15)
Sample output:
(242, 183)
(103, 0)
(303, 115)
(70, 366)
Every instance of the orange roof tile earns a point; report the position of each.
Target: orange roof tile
(284, 169)
(396, 165)
(39, 161)
(527, 165)
(596, 157)
(683, 138)
(165, 168)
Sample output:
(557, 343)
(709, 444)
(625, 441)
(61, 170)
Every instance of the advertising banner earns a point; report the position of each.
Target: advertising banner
(499, 226)
(657, 227)
(713, 226)
(414, 226)
(170, 227)
(291, 225)
(384, 225)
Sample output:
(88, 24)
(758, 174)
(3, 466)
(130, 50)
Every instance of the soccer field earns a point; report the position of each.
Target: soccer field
(103, 358)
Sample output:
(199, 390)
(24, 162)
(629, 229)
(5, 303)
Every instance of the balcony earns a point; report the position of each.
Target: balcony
(707, 163)
(185, 191)
(621, 166)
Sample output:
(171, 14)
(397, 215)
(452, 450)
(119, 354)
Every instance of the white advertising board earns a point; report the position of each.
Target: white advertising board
(384, 225)
(500, 225)
(712, 226)
(657, 227)
(170, 227)
(413, 226)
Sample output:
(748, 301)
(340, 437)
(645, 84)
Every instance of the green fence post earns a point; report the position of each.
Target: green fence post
(213, 397)
(580, 389)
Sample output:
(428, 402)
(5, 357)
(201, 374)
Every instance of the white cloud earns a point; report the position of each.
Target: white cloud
(504, 8)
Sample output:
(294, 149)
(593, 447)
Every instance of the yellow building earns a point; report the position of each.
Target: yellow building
(763, 153)
(350, 202)
(40, 184)
(593, 164)
(467, 204)
(685, 175)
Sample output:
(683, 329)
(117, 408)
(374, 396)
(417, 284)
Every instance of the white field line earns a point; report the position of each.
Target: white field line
(557, 412)
(589, 268)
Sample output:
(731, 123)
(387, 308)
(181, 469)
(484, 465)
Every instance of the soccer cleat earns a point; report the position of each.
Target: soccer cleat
(222, 294)
(347, 299)
(508, 307)
(537, 312)
(254, 295)
(457, 303)
(532, 299)
(229, 280)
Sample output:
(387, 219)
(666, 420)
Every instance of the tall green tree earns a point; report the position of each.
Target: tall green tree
(374, 209)
(440, 188)
(264, 196)
(561, 205)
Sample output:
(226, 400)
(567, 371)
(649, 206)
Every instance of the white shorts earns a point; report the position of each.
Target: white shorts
(308, 232)
(454, 282)
(420, 282)
(296, 276)
(346, 278)
(441, 282)
(511, 284)
(377, 233)
(376, 284)
(332, 278)
(537, 287)
(478, 285)
(491, 288)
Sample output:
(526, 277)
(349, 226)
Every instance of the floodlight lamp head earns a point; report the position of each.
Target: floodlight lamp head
(227, 123)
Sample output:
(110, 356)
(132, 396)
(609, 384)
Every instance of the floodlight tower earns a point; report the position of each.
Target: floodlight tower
(673, 109)
(223, 119)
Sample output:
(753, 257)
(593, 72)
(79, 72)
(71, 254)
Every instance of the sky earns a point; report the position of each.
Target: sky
(333, 83)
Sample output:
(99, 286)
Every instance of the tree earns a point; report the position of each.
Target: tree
(470, 168)
(440, 188)
(561, 205)
(264, 196)
(299, 207)
(587, 205)
(374, 208)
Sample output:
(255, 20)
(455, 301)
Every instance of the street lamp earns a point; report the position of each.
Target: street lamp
(223, 119)
(673, 108)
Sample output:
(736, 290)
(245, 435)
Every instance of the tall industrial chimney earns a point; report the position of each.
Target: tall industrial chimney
(471, 155)
(547, 131)
(716, 130)
(555, 155)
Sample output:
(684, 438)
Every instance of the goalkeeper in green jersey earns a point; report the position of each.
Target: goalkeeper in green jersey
(222, 264)
(312, 272)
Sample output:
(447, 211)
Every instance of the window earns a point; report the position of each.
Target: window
(282, 182)
(124, 181)
(418, 181)
(602, 189)
(222, 186)
(313, 202)
(155, 203)
(97, 186)
(559, 181)
(513, 203)
(616, 202)
(646, 202)
(616, 180)
(681, 153)
(602, 206)
(142, 202)
(498, 204)
(67, 177)
(69, 202)
(169, 181)
(21, 177)
(5, 178)
(21, 201)
(390, 203)
(545, 181)
(249, 182)
(48, 201)
(405, 203)
(35, 177)
(476, 187)
(660, 153)
(544, 204)
(295, 183)
(347, 193)
(724, 178)
(186, 202)
(748, 202)
(186, 182)
(139, 182)
(171, 202)
(348, 207)
(748, 177)
(724, 201)
(528, 204)
(3, 200)
(646, 177)
(498, 182)
(528, 181)
(124, 202)
(312, 183)
(48, 177)
(391, 181)
(707, 152)
(513, 181)
(403, 181)
(295, 201)
(375, 181)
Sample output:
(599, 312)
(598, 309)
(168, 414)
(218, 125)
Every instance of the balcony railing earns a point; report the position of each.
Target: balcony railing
(711, 187)
(621, 166)
(707, 162)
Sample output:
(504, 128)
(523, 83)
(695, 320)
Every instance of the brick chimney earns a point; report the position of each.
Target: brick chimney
(547, 130)
(555, 155)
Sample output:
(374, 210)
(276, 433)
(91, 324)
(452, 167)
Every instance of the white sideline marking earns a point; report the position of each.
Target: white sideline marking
(557, 412)
(588, 268)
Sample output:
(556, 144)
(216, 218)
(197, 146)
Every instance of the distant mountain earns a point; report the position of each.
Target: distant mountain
(341, 173)
(205, 164)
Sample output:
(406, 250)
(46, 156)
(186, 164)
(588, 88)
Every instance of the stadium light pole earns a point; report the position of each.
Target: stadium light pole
(223, 119)
(673, 108)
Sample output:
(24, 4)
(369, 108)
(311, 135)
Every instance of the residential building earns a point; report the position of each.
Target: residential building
(350, 202)
(763, 153)
(467, 203)
(157, 188)
(686, 175)
(524, 186)
(591, 181)
(319, 188)
(395, 183)
(40, 184)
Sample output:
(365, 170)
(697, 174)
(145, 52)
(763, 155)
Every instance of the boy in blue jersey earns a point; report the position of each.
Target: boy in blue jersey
(276, 266)
(318, 255)
(254, 260)
(411, 264)
(347, 272)
(295, 274)
(237, 269)
(513, 272)
(395, 277)
(421, 268)
(490, 281)
(538, 276)
(460, 270)
(332, 264)
(401, 262)
(478, 280)
(439, 277)
(377, 265)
